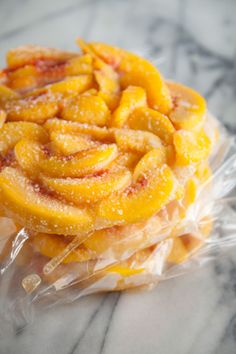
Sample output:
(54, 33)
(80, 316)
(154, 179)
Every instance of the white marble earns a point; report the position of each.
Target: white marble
(193, 41)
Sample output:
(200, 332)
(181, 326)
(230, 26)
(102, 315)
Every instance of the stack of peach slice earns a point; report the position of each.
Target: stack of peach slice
(101, 159)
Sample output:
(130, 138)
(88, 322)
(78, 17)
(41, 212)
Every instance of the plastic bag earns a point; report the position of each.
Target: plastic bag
(183, 235)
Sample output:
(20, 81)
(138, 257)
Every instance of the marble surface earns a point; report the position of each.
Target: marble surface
(193, 41)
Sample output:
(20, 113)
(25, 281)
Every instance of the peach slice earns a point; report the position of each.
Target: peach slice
(86, 109)
(79, 65)
(6, 93)
(127, 159)
(99, 133)
(72, 85)
(152, 191)
(67, 144)
(28, 153)
(191, 147)
(12, 132)
(136, 140)
(89, 189)
(81, 163)
(152, 121)
(131, 98)
(24, 78)
(53, 245)
(203, 172)
(24, 202)
(189, 108)
(32, 109)
(136, 71)
(29, 54)
(150, 161)
(3, 117)
(178, 253)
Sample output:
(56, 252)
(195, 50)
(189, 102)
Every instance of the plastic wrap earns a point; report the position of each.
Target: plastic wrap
(195, 224)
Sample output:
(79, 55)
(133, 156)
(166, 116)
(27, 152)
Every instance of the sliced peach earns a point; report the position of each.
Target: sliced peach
(136, 71)
(23, 201)
(152, 121)
(79, 65)
(153, 192)
(3, 117)
(72, 85)
(53, 245)
(131, 98)
(127, 159)
(191, 147)
(150, 161)
(24, 78)
(203, 172)
(32, 109)
(67, 144)
(89, 189)
(28, 153)
(64, 126)
(190, 192)
(136, 140)
(81, 163)
(86, 109)
(12, 132)
(178, 253)
(6, 93)
(189, 108)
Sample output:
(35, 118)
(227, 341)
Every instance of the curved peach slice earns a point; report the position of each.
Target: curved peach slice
(79, 65)
(178, 253)
(136, 71)
(189, 108)
(6, 93)
(89, 189)
(136, 140)
(53, 245)
(32, 109)
(64, 126)
(203, 172)
(24, 78)
(140, 201)
(81, 163)
(23, 201)
(67, 144)
(127, 159)
(133, 97)
(152, 121)
(29, 54)
(28, 154)
(86, 109)
(150, 161)
(72, 85)
(190, 192)
(191, 147)
(3, 117)
(12, 132)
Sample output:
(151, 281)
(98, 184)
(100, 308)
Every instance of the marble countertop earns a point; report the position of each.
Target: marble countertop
(193, 41)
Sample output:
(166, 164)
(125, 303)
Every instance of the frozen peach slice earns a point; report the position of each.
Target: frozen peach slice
(136, 71)
(127, 159)
(152, 121)
(2, 117)
(12, 132)
(28, 154)
(67, 144)
(81, 163)
(191, 147)
(29, 54)
(99, 133)
(178, 253)
(203, 172)
(72, 85)
(79, 65)
(53, 245)
(131, 98)
(189, 108)
(86, 109)
(89, 189)
(150, 161)
(24, 203)
(140, 201)
(136, 140)
(32, 109)
(23, 78)
(6, 93)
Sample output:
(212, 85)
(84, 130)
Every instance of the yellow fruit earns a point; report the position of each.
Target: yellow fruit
(189, 108)
(7, 94)
(86, 109)
(13, 132)
(127, 159)
(88, 189)
(2, 118)
(178, 252)
(28, 154)
(23, 79)
(131, 98)
(29, 207)
(152, 121)
(136, 140)
(153, 192)
(136, 71)
(191, 147)
(150, 162)
(72, 85)
(79, 65)
(67, 144)
(81, 163)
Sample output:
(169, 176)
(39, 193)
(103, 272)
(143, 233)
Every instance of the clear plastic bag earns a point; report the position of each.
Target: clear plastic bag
(141, 258)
